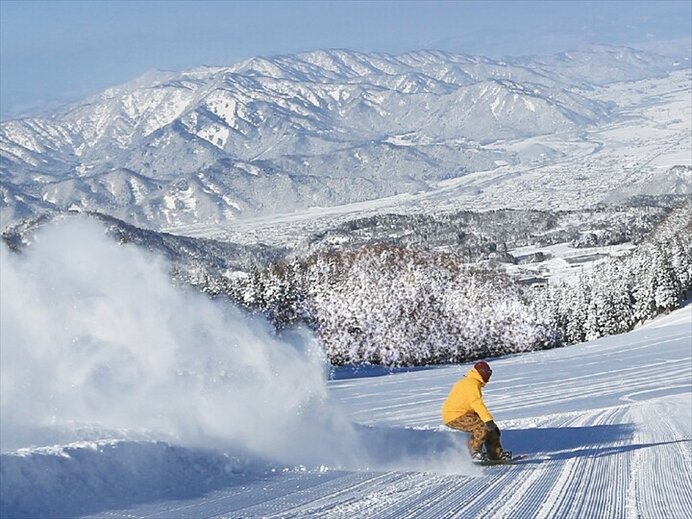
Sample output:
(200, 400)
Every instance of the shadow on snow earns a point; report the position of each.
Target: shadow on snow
(562, 443)
(373, 370)
(81, 480)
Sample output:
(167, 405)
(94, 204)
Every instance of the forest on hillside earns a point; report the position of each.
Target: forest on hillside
(477, 236)
(402, 290)
(403, 305)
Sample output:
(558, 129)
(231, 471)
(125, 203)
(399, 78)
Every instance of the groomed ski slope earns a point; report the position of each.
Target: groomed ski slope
(607, 424)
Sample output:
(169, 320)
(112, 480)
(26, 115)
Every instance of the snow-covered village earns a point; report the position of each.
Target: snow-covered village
(346, 259)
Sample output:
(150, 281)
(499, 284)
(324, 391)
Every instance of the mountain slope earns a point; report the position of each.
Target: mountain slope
(604, 438)
(310, 125)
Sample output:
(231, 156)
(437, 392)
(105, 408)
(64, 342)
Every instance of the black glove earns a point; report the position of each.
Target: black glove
(491, 426)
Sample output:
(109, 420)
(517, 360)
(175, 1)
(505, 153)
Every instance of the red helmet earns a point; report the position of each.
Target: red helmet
(483, 369)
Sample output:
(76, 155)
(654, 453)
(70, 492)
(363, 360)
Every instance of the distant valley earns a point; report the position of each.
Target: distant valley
(206, 151)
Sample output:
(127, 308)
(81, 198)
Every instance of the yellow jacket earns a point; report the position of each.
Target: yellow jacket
(465, 397)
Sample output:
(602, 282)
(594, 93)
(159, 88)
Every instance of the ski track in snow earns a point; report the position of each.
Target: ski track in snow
(607, 426)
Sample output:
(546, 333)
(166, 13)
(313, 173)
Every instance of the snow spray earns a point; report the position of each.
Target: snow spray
(97, 342)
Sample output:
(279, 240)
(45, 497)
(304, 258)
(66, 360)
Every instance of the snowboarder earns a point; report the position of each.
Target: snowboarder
(464, 410)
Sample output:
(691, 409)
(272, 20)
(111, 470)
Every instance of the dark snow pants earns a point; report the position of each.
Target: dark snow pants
(472, 423)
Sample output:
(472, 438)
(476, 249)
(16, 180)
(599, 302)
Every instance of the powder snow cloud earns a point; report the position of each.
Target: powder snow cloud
(98, 343)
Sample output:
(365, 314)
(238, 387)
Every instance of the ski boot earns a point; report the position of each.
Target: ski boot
(505, 456)
(479, 457)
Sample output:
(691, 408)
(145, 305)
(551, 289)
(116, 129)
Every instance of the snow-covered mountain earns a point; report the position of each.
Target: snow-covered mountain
(316, 129)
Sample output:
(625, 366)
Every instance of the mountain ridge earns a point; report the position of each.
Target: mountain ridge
(309, 126)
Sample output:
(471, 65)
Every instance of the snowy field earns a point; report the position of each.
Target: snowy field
(607, 426)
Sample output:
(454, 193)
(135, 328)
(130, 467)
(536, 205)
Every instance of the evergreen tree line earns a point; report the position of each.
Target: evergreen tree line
(392, 305)
(389, 305)
(622, 292)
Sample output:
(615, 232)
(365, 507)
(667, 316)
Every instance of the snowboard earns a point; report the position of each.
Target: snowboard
(514, 459)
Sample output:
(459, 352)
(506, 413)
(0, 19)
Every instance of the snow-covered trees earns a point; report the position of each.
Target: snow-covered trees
(405, 305)
(408, 289)
(395, 306)
(619, 293)
(408, 307)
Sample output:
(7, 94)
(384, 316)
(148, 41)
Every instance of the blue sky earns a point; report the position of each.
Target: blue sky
(58, 51)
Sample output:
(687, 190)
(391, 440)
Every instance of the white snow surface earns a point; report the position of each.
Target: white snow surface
(607, 424)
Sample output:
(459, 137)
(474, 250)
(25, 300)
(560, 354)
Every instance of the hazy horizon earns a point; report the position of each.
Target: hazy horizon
(57, 52)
